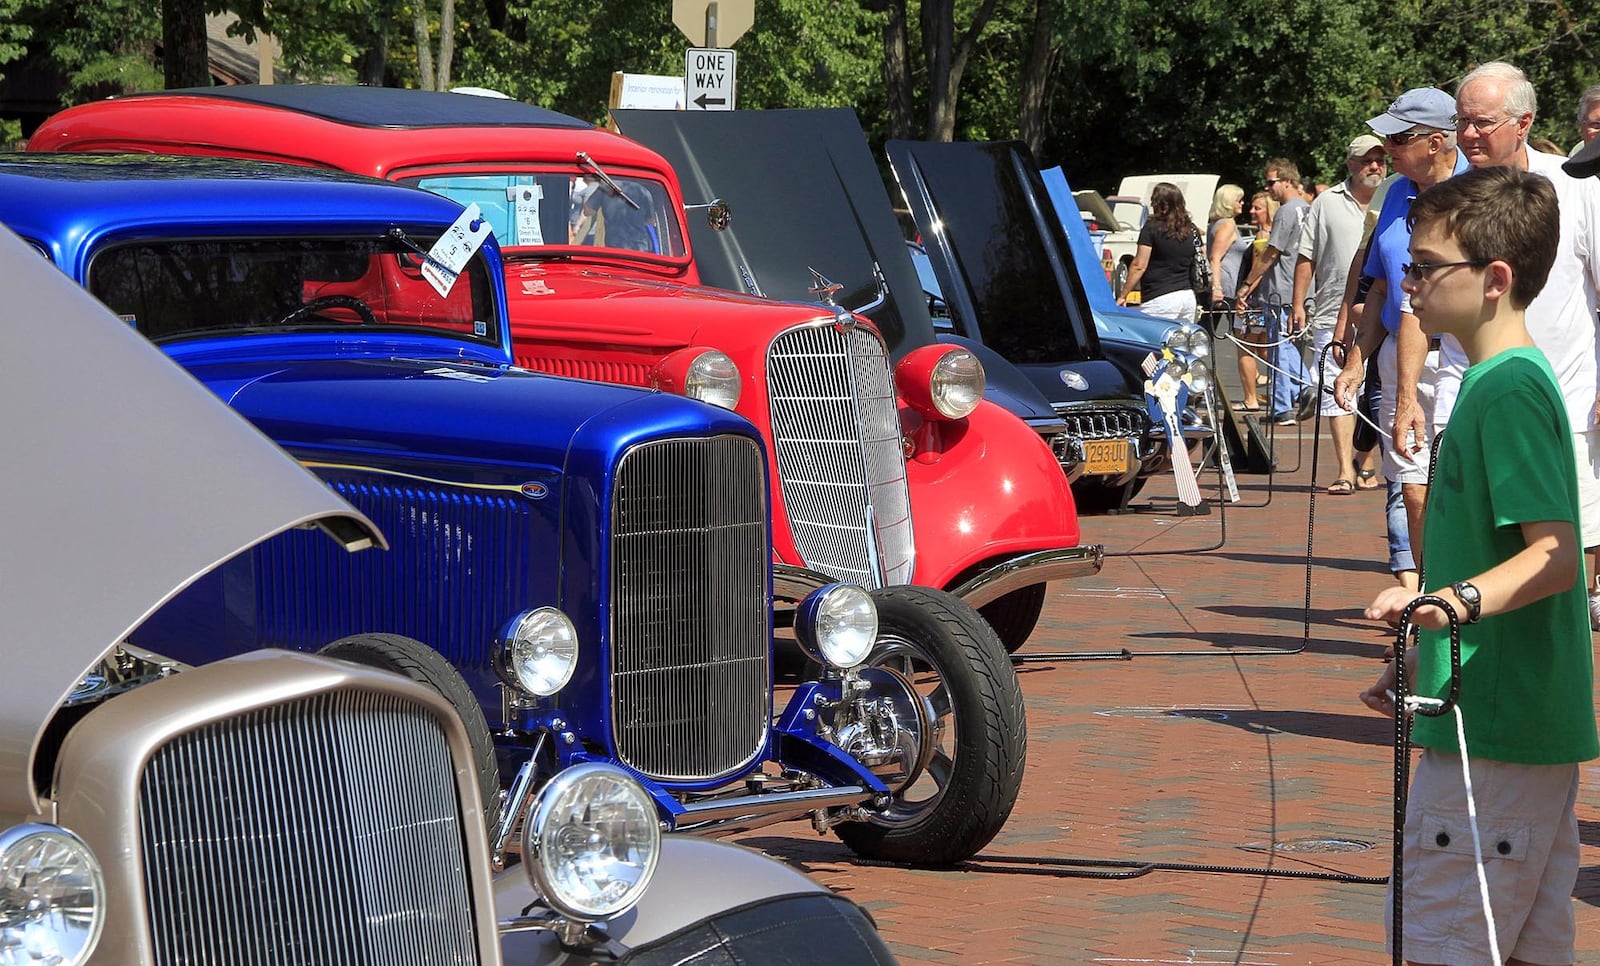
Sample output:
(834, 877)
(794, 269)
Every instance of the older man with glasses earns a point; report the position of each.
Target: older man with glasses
(1418, 133)
(1588, 115)
(1495, 107)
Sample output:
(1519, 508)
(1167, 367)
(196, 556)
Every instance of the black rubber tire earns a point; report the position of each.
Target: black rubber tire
(954, 658)
(1092, 496)
(415, 660)
(1015, 615)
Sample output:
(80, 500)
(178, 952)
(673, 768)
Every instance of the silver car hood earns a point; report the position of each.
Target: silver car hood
(125, 479)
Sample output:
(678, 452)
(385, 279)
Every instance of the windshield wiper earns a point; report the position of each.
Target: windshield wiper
(399, 235)
(599, 172)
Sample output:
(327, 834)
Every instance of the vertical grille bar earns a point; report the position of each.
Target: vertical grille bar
(322, 830)
(690, 615)
(841, 469)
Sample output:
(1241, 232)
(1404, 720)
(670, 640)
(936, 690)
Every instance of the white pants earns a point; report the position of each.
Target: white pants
(1332, 365)
(1400, 465)
(1179, 305)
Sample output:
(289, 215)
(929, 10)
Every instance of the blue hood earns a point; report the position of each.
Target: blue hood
(1111, 320)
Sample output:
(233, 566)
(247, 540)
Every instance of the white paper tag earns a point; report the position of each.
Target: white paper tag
(454, 249)
(443, 373)
(524, 200)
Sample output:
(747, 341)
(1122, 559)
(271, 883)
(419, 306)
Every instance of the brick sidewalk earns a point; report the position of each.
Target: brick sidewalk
(1236, 752)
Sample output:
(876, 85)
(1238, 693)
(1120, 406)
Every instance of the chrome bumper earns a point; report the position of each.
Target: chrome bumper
(1029, 569)
(791, 583)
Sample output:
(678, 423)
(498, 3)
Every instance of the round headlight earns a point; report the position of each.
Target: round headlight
(538, 652)
(1177, 368)
(591, 841)
(1199, 377)
(52, 895)
(957, 384)
(837, 624)
(714, 378)
(1199, 342)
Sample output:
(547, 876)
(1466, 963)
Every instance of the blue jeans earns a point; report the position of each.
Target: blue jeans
(1292, 377)
(1394, 510)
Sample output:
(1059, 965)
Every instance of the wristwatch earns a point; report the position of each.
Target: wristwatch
(1469, 596)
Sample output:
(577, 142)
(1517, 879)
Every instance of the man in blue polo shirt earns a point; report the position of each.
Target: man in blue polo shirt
(1418, 131)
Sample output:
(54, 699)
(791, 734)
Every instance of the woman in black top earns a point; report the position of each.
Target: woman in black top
(1162, 263)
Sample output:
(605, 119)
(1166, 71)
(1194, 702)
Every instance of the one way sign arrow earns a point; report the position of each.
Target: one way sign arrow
(708, 74)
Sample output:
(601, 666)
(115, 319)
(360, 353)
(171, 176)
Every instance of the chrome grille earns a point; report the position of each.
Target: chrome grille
(1107, 422)
(836, 432)
(690, 612)
(323, 830)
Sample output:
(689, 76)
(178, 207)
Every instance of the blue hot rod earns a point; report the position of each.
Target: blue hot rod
(589, 565)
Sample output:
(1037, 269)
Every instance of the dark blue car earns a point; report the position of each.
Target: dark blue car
(588, 564)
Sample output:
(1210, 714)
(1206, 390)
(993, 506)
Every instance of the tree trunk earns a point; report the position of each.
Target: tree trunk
(419, 27)
(938, 32)
(447, 43)
(897, 72)
(1036, 70)
(184, 60)
(947, 60)
(374, 64)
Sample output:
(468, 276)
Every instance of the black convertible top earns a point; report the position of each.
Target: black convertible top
(390, 107)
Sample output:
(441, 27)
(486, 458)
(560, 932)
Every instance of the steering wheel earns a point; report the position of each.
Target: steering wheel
(321, 302)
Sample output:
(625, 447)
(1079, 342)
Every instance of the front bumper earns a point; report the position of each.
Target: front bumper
(1116, 450)
(791, 583)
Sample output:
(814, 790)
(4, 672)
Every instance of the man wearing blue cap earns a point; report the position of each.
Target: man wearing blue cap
(1418, 131)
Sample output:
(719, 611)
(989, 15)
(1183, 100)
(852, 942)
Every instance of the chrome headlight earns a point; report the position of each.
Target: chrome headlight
(538, 652)
(591, 841)
(714, 378)
(1191, 339)
(52, 896)
(1199, 377)
(1177, 368)
(957, 384)
(837, 625)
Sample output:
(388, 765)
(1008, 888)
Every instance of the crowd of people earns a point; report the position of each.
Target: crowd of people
(1461, 292)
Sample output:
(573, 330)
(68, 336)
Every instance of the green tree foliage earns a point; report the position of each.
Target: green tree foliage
(14, 37)
(100, 48)
(1113, 87)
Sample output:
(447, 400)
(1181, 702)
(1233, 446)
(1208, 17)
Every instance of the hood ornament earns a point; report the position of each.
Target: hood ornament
(825, 289)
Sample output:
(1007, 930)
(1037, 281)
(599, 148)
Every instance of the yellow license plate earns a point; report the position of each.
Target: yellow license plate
(1105, 456)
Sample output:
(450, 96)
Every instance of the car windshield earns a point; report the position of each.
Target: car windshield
(536, 209)
(179, 288)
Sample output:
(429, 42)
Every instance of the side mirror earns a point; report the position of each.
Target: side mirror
(718, 216)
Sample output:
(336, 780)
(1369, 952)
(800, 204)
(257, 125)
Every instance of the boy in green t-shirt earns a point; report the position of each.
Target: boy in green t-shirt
(1501, 548)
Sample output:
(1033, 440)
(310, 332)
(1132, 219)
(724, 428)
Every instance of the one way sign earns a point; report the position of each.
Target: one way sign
(708, 79)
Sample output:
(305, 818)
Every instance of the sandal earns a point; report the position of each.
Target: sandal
(1341, 488)
(1367, 479)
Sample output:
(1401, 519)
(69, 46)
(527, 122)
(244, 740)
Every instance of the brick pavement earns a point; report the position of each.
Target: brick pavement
(1240, 751)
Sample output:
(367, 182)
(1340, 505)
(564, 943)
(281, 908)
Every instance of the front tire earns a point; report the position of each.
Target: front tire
(961, 800)
(412, 659)
(1015, 615)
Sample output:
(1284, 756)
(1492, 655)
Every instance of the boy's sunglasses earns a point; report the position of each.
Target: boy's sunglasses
(1421, 271)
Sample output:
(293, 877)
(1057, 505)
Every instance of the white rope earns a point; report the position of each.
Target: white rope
(1412, 703)
(1249, 349)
